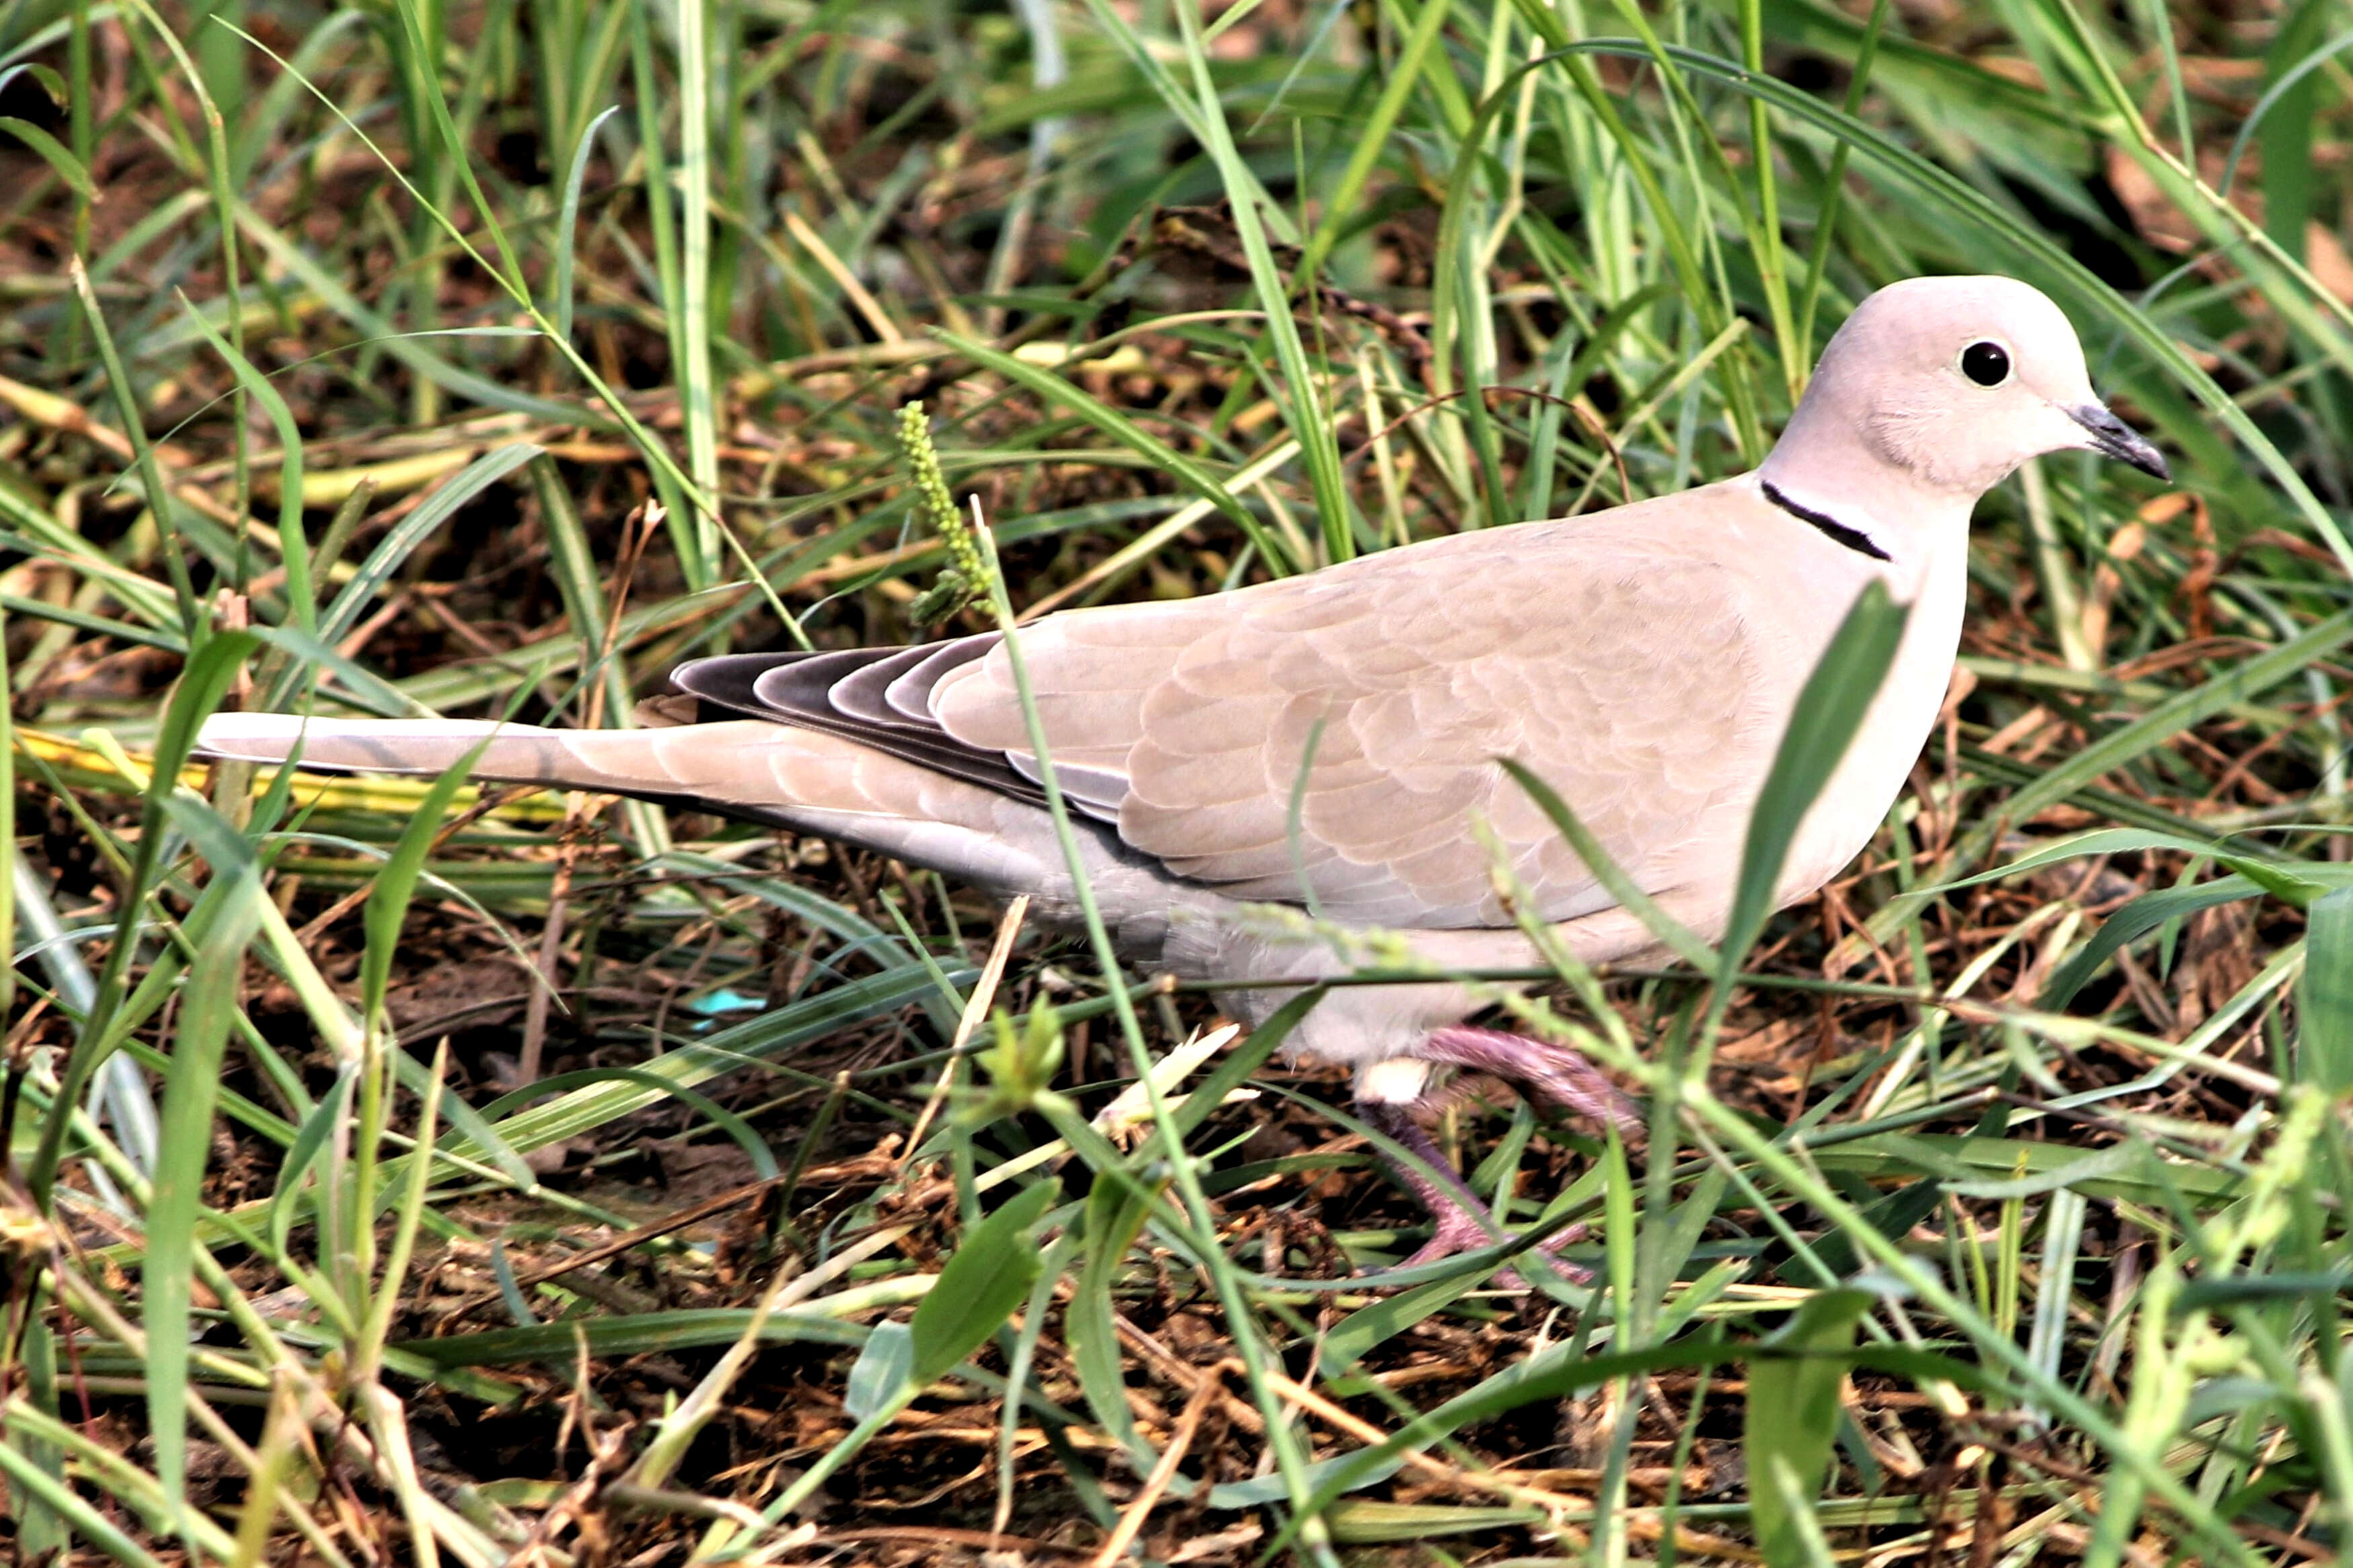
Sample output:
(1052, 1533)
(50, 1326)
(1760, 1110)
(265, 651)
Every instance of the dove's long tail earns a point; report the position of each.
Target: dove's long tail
(799, 779)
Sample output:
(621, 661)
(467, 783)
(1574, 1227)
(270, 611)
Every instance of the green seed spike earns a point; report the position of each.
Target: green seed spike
(1020, 1064)
(965, 578)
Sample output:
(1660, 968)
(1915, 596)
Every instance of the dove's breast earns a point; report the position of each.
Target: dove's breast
(1872, 773)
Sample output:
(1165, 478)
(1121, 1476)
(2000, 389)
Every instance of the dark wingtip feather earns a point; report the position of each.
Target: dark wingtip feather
(795, 688)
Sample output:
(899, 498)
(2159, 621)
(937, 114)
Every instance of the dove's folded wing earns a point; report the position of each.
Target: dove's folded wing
(1328, 739)
(1331, 736)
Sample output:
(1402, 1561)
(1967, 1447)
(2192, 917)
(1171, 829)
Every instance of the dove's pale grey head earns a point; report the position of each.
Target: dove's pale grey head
(1953, 382)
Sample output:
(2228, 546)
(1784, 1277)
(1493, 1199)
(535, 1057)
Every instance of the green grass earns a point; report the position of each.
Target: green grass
(490, 358)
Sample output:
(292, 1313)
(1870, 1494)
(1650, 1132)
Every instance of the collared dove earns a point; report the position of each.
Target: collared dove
(1326, 741)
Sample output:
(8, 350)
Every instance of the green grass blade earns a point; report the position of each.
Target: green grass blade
(567, 224)
(388, 900)
(293, 547)
(85, 1520)
(184, 1155)
(691, 308)
(1630, 894)
(1302, 395)
(2323, 1056)
(412, 529)
(202, 686)
(1828, 711)
(1128, 434)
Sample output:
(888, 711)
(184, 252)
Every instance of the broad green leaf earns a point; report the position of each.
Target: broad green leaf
(1114, 1217)
(1792, 1416)
(988, 1278)
(881, 1371)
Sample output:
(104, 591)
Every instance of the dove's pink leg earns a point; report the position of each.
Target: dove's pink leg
(1463, 1223)
(1557, 1076)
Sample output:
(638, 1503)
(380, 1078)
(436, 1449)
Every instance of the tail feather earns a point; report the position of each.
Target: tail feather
(520, 754)
(801, 779)
(808, 781)
(738, 764)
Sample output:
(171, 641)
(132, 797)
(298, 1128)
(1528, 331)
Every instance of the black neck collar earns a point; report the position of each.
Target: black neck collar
(1854, 538)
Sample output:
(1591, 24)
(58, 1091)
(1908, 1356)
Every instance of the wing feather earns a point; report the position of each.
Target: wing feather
(1375, 697)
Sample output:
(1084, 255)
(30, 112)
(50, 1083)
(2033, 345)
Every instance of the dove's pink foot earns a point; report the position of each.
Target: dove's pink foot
(1463, 1223)
(1555, 1076)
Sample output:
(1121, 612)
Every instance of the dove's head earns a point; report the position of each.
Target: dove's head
(1956, 382)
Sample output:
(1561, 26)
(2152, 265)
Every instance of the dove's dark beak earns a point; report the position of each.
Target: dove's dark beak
(2112, 438)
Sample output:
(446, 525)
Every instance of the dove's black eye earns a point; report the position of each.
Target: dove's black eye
(1986, 364)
